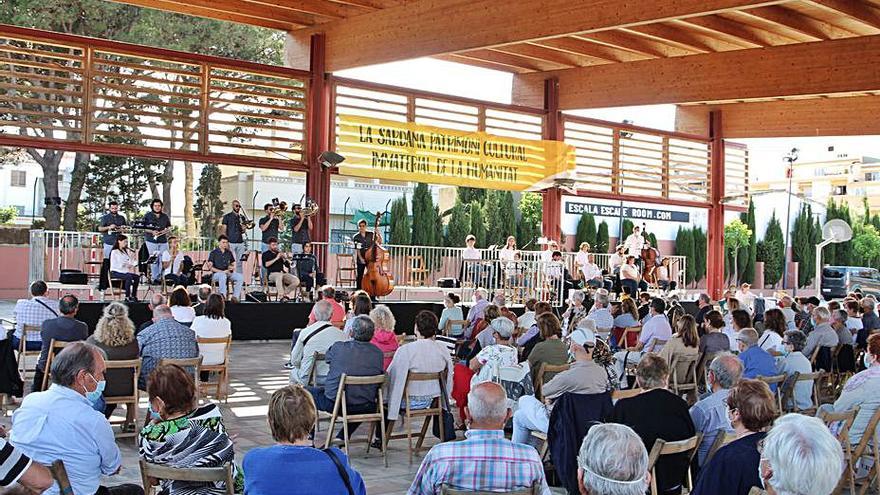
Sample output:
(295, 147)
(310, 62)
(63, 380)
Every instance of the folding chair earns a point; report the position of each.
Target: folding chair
(221, 386)
(434, 411)
(624, 337)
(341, 408)
(661, 448)
(816, 377)
(721, 439)
(23, 353)
(418, 274)
(844, 421)
(152, 472)
(447, 330)
(625, 394)
(775, 380)
(194, 364)
(55, 346)
(346, 271)
(543, 370)
(313, 374)
(130, 401)
(868, 447)
(688, 383)
(445, 490)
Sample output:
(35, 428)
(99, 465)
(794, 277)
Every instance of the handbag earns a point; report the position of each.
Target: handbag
(445, 416)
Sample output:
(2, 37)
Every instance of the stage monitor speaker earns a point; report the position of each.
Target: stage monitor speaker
(448, 283)
(73, 277)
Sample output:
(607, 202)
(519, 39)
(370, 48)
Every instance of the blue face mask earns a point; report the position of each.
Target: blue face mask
(812, 321)
(95, 395)
(154, 413)
(866, 359)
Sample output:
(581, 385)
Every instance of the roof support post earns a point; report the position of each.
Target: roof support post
(715, 256)
(554, 131)
(318, 132)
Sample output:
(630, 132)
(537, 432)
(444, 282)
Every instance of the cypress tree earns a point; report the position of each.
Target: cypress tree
(491, 207)
(529, 226)
(423, 225)
(746, 256)
(586, 230)
(684, 246)
(400, 228)
(438, 227)
(478, 224)
(830, 252)
(209, 207)
(700, 253)
(627, 230)
(507, 214)
(772, 251)
(459, 225)
(602, 240)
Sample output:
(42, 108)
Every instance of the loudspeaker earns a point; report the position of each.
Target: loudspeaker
(448, 283)
(73, 277)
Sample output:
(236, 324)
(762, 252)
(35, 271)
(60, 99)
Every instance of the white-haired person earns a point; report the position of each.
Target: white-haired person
(383, 336)
(574, 313)
(314, 339)
(822, 335)
(710, 412)
(613, 461)
(485, 461)
(585, 376)
(475, 313)
(794, 361)
(800, 456)
(862, 391)
(600, 312)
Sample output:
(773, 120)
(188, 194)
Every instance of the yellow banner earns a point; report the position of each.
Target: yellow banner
(402, 151)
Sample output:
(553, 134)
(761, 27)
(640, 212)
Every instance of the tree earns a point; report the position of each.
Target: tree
(803, 249)
(772, 251)
(602, 239)
(684, 246)
(530, 220)
(478, 224)
(736, 236)
(627, 227)
(400, 229)
(507, 216)
(492, 207)
(700, 252)
(459, 225)
(747, 254)
(471, 194)
(423, 223)
(586, 230)
(8, 214)
(209, 207)
(867, 243)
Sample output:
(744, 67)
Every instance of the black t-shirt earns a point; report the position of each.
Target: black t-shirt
(274, 267)
(701, 314)
(221, 260)
(233, 227)
(271, 230)
(363, 242)
(300, 236)
(157, 222)
(108, 220)
(306, 264)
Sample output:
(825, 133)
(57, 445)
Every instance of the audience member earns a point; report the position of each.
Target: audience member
(822, 334)
(704, 305)
(808, 304)
(33, 312)
(794, 361)
(613, 461)
(482, 333)
(577, 311)
(361, 304)
(600, 314)
(181, 306)
(475, 313)
(710, 413)
(584, 376)
(870, 322)
(786, 305)
(733, 470)
(862, 391)
(714, 340)
(213, 324)
(65, 328)
(425, 355)
(839, 319)
(114, 335)
(15, 467)
(551, 350)
(154, 302)
(854, 316)
(682, 346)
(628, 317)
(384, 337)
(337, 316)
(530, 338)
(314, 339)
(292, 416)
(485, 364)
(739, 319)
(774, 329)
(655, 331)
(356, 357)
(164, 339)
(181, 434)
(756, 361)
(485, 460)
(644, 305)
(800, 456)
(204, 290)
(61, 423)
(452, 311)
(658, 413)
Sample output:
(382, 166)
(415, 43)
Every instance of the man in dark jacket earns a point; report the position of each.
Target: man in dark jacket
(870, 323)
(357, 357)
(658, 413)
(65, 328)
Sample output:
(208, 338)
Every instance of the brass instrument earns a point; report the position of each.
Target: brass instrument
(278, 206)
(246, 224)
(310, 209)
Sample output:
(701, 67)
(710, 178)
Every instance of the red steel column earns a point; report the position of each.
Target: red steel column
(715, 256)
(554, 131)
(318, 132)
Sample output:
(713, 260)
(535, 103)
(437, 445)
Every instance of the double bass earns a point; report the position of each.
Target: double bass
(378, 280)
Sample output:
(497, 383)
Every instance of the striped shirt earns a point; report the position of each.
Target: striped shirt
(13, 463)
(485, 461)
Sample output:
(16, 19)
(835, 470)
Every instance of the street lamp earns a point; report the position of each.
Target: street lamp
(789, 158)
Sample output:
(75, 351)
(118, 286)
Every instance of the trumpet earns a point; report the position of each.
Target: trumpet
(310, 209)
(278, 206)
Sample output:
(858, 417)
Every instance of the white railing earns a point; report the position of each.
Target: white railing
(413, 267)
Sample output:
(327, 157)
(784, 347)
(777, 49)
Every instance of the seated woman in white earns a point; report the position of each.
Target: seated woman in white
(212, 324)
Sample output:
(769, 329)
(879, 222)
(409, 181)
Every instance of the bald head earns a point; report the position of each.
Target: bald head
(161, 312)
(725, 370)
(487, 407)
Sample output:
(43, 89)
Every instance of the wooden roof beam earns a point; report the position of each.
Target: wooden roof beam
(672, 35)
(235, 11)
(795, 21)
(433, 27)
(780, 71)
(858, 10)
(581, 47)
(731, 29)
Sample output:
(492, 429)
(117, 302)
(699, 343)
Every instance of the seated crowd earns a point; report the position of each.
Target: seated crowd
(600, 387)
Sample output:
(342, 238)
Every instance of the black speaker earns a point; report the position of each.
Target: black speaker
(73, 277)
(448, 283)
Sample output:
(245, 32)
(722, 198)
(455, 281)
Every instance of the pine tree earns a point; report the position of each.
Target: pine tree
(602, 240)
(459, 225)
(423, 224)
(478, 224)
(400, 228)
(209, 207)
(586, 230)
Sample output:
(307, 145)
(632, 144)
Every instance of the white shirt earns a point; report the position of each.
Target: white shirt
(123, 262)
(470, 253)
(591, 271)
(634, 244)
(616, 260)
(581, 258)
(303, 356)
(421, 356)
(174, 267)
(854, 324)
(210, 328)
(506, 254)
(629, 272)
(771, 341)
(527, 320)
(547, 255)
(183, 314)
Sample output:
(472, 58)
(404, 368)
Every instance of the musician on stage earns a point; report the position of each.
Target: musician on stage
(278, 266)
(233, 226)
(592, 274)
(222, 268)
(630, 278)
(634, 244)
(363, 241)
(123, 266)
(172, 263)
(110, 222)
(299, 227)
(307, 267)
(156, 221)
(547, 254)
(650, 256)
(270, 226)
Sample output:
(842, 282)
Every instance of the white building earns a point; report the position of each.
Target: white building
(21, 186)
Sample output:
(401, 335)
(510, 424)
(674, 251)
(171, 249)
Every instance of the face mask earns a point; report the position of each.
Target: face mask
(812, 321)
(95, 395)
(866, 359)
(153, 413)
(760, 474)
